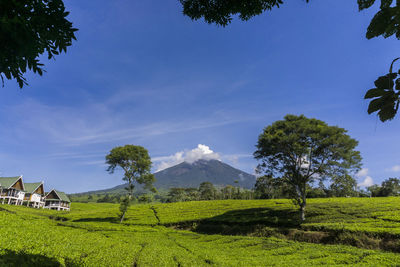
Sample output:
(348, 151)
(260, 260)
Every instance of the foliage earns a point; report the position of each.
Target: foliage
(343, 185)
(136, 164)
(299, 151)
(267, 187)
(178, 194)
(389, 187)
(123, 207)
(385, 96)
(107, 199)
(145, 198)
(374, 190)
(207, 191)
(87, 236)
(220, 12)
(29, 29)
(316, 192)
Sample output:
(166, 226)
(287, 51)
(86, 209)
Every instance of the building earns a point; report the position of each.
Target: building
(12, 190)
(34, 195)
(57, 200)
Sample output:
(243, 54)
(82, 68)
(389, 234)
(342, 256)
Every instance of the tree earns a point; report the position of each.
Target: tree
(207, 191)
(391, 187)
(265, 187)
(28, 29)
(343, 185)
(300, 151)
(145, 198)
(384, 23)
(227, 192)
(192, 194)
(136, 164)
(105, 199)
(176, 194)
(374, 190)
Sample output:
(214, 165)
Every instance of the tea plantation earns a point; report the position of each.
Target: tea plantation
(339, 231)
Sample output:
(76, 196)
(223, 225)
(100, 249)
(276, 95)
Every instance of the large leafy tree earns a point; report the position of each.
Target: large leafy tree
(266, 187)
(207, 191)
(386, 23)
(29, 29)
(136, 164)
(343, 186)
(391, 187)
(299, 151)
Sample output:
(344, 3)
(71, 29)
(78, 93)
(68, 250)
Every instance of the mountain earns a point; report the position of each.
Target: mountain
(193, 174)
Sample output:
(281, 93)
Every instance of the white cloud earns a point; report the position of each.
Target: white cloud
(395, 168)
(368, 181)
(97, 123)
(362, 173)
(190, 156)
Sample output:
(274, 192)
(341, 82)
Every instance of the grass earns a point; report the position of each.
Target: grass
(89, 235)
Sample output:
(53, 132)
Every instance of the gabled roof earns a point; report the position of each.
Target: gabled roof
(61, 195)
(7, 182)
(31, 187)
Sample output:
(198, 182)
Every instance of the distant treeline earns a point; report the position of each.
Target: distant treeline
(265, 188)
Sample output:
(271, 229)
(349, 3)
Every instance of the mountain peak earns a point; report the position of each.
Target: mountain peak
(193, 174)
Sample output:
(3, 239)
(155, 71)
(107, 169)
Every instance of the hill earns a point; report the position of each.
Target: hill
(250, 233)
(192, 175)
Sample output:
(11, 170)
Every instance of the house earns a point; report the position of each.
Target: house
(34, 195)
(57, 200)
(12, 190)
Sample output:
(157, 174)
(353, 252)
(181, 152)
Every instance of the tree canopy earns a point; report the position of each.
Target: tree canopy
(386, 23)
(389, 187)
(29, 29)
(343, 186)
(207, 191)
(300, 151)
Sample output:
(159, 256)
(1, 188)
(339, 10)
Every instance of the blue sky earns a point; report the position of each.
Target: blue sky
(141, 73)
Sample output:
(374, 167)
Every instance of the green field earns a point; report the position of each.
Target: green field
(204, 233)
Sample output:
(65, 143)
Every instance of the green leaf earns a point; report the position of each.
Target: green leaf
(385, 82)
(364, 4)
(375, 92)
(386, 3)
(375, 105)
(388, 111)
(397, 84)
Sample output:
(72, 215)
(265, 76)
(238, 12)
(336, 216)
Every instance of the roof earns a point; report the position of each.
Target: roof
(7, 182)
(31, 187)
(60, 194)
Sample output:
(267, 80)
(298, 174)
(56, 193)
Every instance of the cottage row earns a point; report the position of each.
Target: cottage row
(14, 191)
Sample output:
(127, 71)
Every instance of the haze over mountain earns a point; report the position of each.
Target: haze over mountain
(193, 174)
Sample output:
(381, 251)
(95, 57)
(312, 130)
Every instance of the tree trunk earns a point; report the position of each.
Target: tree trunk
(130, 195)
(303, 212)
(303, 202)
(123, 216)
